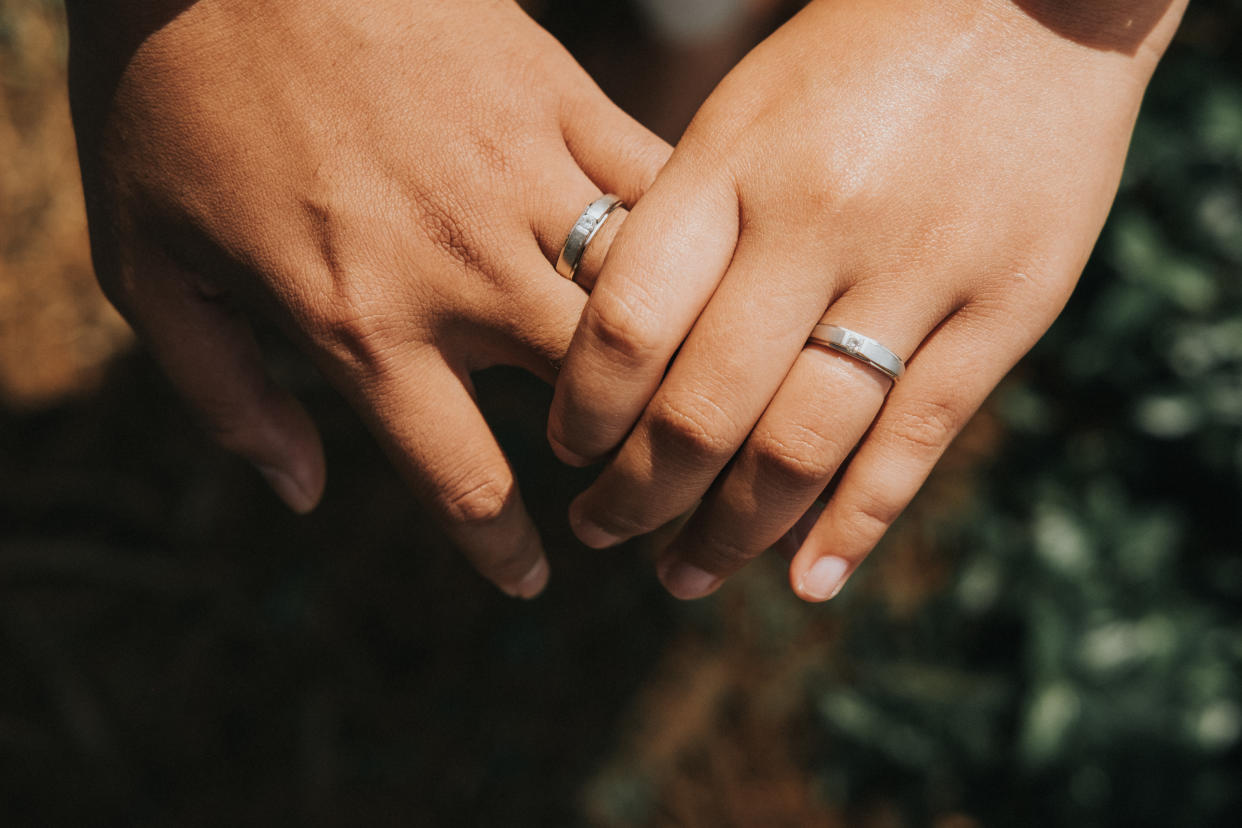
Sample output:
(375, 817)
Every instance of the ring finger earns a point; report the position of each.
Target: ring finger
(542, 310)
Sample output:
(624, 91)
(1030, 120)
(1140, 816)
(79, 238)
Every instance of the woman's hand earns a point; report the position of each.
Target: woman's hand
(387, 181)
(932, 175)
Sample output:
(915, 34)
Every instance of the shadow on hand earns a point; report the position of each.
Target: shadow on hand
(103, 41)
(1107, 25)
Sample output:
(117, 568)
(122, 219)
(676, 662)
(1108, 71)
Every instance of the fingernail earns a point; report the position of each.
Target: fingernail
(824, 579)
(686, 581)
(287, 489)
(593, 535)
(566, 456)
(532, 582)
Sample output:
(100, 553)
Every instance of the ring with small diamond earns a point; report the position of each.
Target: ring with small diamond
(583, 232)
(857, 346)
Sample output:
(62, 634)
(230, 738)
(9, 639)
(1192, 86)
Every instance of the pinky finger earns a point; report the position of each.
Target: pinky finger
(955, 370)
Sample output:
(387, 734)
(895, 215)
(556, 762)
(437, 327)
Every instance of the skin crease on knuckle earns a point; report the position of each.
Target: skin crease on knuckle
(924, 426)
(868, 517)
(795, 461)
(357, 318)
(868, 507)
(477, 500)
(687, 432)
(625, 327)
(690, 428)
(448, 227)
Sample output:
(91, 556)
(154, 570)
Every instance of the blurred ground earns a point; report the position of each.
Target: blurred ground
(56, 332)
(1052, 636)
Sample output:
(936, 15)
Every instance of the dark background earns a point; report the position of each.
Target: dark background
(1051, 636)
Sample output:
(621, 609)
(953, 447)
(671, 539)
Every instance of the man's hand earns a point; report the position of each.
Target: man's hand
(932, 175)
(387, 181)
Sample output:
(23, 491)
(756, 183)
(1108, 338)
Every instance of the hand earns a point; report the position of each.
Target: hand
(932, 175)
(388, 182)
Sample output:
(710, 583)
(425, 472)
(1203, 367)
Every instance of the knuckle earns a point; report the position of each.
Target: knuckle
(870, 517)
(496, 149)
(626, 328)
(448, 228)
(721, 555)
(492, 155)
(645, 159)
(799, 459)
(476, 502)
(351, 314)
(927, 425)
(349, 331)
(824, 195)
(691, 424)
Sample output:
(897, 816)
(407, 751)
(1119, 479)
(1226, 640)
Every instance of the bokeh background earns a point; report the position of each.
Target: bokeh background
(1051, 636)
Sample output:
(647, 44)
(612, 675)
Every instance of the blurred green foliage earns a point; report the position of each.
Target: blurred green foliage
(1085, 666)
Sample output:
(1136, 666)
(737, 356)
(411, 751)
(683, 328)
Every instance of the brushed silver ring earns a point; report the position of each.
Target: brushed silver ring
(582, 233)
(860, 347)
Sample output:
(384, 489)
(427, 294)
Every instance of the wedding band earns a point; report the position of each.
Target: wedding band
(583, 231)
(862, 348)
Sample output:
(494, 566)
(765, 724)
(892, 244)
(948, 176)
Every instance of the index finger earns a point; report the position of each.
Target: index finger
(660, 272)
(423, 412)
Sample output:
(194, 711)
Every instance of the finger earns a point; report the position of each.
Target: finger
(826, 404)
(730, 366)
(424, 414)
(208, 352)
(663, 268)
(619, 155)
(596, 253)
(541, 308)
(615, 151)
(556, 207)
(542, 314)
(953, 373)
(824, 407)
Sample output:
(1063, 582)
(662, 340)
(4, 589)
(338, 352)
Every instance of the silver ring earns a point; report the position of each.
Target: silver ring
(862, 348)
(583, 231)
